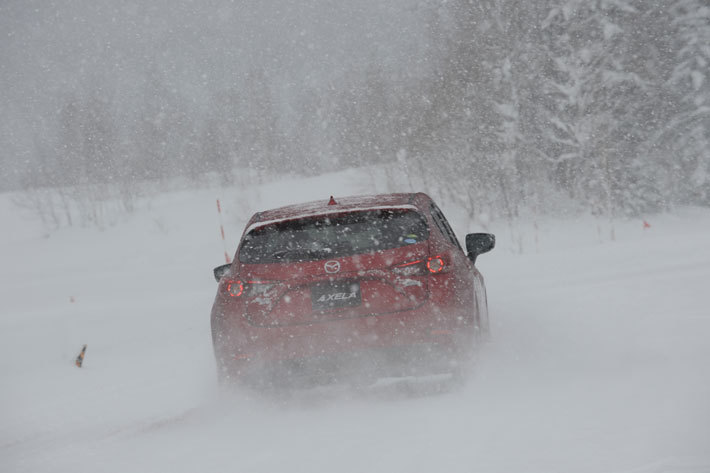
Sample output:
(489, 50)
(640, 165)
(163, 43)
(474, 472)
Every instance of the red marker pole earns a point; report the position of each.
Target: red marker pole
(221, 231)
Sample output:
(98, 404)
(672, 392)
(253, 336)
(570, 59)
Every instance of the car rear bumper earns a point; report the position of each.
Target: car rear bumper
(359, 367)
(413, 342)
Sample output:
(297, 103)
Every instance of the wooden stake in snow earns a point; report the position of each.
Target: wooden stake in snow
(221, 230)
(80, 358)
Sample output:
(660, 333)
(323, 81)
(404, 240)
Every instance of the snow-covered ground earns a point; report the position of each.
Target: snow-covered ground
(600, 359)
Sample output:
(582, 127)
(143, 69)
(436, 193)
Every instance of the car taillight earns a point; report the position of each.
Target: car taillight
(259, 288)
(412, 268)
(235, 288)
(435, 264)
(238, 288)
(421, 267)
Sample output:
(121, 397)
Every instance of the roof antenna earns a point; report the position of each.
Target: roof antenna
(332, 201)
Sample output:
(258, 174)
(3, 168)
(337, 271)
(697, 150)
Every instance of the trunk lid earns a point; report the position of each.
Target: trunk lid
(360, 285)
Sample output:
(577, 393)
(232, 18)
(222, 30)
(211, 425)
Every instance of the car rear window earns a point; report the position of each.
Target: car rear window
(327, 236)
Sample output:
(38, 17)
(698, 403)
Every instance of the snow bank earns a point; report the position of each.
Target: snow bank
(598, 361)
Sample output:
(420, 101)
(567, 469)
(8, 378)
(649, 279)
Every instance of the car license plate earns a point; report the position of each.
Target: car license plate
(334, 295)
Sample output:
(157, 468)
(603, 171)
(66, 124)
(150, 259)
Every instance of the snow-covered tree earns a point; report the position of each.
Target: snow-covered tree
(691, 77)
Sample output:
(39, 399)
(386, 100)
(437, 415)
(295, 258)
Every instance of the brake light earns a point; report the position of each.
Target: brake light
(259, 288)
(235, 288)
(238, 288)
(435, 264)
(412, 268)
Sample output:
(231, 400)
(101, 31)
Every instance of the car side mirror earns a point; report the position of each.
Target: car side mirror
(479, 243)
(220, 271)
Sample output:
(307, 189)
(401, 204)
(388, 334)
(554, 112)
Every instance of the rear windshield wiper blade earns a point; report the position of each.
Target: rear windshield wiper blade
(297, 252)
(314, 253)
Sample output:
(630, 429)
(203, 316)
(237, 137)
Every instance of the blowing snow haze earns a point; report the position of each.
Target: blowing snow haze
(161, 68)
(196, 47)
(509, 104)
(576, 131)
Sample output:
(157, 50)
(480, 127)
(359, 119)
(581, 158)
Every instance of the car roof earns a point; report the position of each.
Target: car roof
(343, 204)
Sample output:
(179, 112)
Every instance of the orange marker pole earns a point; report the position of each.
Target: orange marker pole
(80, 359)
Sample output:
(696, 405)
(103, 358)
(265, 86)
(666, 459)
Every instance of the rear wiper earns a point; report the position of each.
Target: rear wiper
(313, 253)
(295, 252)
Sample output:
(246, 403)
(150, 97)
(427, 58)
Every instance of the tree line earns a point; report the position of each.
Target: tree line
(513, 105)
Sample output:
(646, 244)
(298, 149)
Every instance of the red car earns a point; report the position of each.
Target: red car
(367, 286)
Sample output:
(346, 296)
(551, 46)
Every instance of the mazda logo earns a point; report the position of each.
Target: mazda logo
(332, 267)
